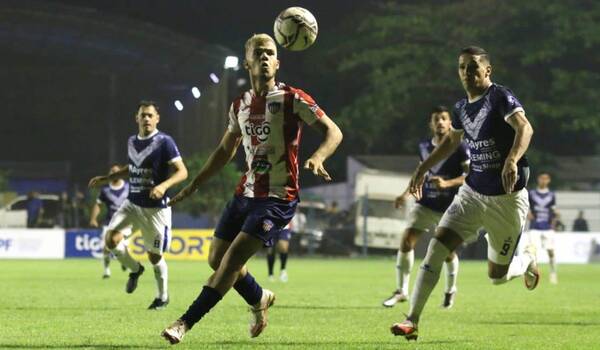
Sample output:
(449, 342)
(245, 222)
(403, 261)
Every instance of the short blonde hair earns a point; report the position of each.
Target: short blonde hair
(257, 38)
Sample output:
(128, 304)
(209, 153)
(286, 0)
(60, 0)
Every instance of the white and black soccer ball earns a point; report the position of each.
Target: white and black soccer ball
(295, 29)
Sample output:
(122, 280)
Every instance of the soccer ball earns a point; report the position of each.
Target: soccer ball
(295, 29)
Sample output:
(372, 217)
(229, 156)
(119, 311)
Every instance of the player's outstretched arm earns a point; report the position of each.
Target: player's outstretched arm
(217, 160)
(523, 133)
(102, 180)
(333, 137)
(448, 145)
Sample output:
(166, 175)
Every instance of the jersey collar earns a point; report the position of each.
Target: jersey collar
(480, 96)
(147, 137)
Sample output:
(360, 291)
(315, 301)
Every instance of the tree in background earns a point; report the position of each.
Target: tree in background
(403, 58)
(214, 194)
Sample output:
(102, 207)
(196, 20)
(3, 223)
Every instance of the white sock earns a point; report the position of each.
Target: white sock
(552, 262)
(120, 251)
(427, 278)
(404, 263)
(161, 274)
(106, 263)
(451, 274)
(517, 268)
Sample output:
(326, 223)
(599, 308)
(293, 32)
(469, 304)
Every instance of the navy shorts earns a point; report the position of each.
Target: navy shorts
(262, 218)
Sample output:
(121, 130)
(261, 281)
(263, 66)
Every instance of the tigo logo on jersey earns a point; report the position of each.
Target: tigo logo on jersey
(261, 131)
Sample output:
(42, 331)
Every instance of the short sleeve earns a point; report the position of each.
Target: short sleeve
(233, 126)
(456, 123)
(306, 108)
(508, 104)
(171, 150)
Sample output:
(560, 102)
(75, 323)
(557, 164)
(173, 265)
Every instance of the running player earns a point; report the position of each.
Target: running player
(493, 124)
(268, 121)
(281, 245)
(112, 196)
(152, 156)
(438, 191)
(542, 219)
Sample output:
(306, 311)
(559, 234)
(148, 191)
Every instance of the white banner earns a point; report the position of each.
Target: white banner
(573, 247)
(32, 244)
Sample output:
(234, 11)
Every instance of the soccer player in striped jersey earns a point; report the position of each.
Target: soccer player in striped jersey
(155, 165)
(112, 196)
(493, 124)
(542, 220)
(267, 120)
(443, 181)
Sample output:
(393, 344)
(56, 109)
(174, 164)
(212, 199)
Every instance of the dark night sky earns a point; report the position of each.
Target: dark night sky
(46, 96)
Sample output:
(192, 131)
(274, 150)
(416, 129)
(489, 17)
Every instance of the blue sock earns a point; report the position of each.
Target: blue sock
(208, 298)
(249, 289)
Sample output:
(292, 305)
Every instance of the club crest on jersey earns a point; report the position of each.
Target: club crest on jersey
(274, 107)
(267, 225)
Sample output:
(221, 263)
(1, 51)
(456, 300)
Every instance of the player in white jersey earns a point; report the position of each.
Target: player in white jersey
(267, 120)
(112, 196)
(493, 124)
(155, 165)
(542, 220)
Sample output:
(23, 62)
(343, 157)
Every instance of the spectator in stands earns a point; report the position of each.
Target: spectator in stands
(34, 209)
(580, 224)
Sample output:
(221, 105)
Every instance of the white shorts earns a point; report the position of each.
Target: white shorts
(423, 219)
(543, 239)
(155, 224)
(503, 217)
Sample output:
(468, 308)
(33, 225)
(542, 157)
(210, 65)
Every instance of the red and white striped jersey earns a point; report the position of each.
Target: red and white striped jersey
(271, 127)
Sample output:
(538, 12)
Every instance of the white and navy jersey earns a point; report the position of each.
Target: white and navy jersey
(271, 127)
(489, 138)
(541, 204)
(149, 160)
(450, 168)
(112, 197)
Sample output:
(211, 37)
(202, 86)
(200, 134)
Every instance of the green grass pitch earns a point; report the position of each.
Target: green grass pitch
(327, 304)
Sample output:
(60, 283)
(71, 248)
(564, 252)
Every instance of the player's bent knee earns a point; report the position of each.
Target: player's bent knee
(409, 239)
(112, 239)
(154, 258)
(436, 254)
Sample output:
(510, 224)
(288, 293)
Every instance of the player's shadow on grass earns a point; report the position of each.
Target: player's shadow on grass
(326, 307)
(542, 323)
